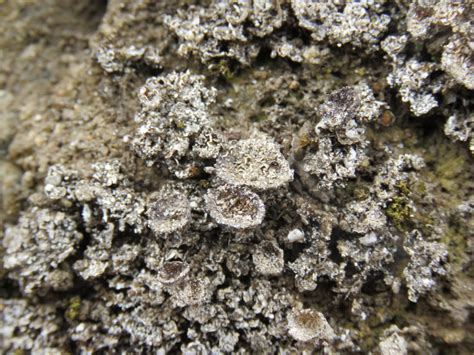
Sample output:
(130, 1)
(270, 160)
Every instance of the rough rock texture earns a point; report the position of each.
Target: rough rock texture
(236, 176)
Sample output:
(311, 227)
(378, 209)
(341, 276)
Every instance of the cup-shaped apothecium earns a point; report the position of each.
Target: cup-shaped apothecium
(236, 207)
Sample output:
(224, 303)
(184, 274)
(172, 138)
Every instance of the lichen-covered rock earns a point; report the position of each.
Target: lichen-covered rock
(344, 110)
(58, 181)
(393, 345)
(396, 174)
(106, 192)
(209, 176)
(394, 45)
(204, 30)
(363, 217)
(457, 60)
(141, 324)
(360, 24)
(192, 292)
(459, 127)
(96, 259)
(336, 148)
(109, 173)
(424, 17)
(388, 197)
(229, 29)
(115, 45)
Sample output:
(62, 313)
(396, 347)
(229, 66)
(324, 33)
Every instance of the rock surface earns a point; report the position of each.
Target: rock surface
(236, 176)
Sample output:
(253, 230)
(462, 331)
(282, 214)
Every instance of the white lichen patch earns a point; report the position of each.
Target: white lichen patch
(337, 146)
(393, 345)
(174, 113)
(457, 60)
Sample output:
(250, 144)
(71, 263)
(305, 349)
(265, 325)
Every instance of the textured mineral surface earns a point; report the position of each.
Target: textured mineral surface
(236, 176)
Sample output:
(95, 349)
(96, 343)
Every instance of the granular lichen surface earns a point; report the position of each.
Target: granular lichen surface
(221, 176)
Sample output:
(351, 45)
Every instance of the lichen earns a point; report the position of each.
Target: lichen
(426, 258)
(308, 324)
(268, 258)
(168, 211)
(36, 250)
(233, 176)
(174, 114)
(236, 207)
(255, 162)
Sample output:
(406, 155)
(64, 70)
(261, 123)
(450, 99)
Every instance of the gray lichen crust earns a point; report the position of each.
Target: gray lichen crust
(339, 137)
(426, 258)
(236, 176)
(174, 114)
(254, 162)
(36, 248)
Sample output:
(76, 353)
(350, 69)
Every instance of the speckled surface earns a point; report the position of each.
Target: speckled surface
(236, 176)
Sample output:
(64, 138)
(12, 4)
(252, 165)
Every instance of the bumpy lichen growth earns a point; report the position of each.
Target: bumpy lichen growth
(339, 143)
(192, 293)
(229, 29)
(234, 176)
(37, 248)
(174, 115)
(426, 258)
(28, 327)
(393, 343)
